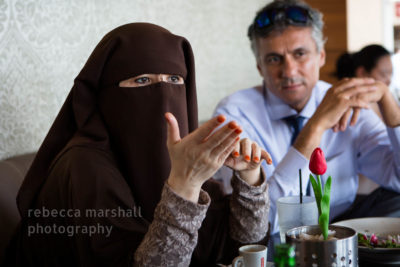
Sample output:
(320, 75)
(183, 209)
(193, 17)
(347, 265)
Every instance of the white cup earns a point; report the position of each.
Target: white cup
(292, 214)
(251, 256)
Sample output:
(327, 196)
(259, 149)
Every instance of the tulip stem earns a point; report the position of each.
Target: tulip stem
(322, 197)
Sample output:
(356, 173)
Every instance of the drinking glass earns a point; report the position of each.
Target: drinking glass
(292, 213)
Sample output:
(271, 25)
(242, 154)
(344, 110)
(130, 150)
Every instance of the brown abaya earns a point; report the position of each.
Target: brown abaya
(107, 151)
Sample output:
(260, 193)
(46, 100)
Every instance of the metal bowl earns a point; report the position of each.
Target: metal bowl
(340, 252)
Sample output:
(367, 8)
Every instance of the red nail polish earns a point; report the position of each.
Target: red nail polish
(269, 161)
(247, 158)
(236, 154)
(256, 159)
(221, 118)
(237, 139)
(238, 131)
(232, 125)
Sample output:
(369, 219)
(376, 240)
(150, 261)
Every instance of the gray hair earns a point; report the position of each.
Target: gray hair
(282, 23)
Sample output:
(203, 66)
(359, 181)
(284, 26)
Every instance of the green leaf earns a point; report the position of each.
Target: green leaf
(327, 188)
(317, 193)
(325, 207)
(323, 222)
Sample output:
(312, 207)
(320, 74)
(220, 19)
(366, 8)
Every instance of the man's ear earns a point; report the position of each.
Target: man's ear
(360, 72)
(322, 58)
(259, 68)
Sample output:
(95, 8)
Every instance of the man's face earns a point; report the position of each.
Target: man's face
(289, 62)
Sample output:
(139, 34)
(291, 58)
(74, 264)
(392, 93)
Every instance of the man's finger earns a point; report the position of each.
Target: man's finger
(335, 128)
(344, 119)
(173, 135)
(354, 117)
(345, 84)
(359, 89)
(356, 102)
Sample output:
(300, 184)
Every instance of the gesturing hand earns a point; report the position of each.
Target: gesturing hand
(246, 158)
(197, 156)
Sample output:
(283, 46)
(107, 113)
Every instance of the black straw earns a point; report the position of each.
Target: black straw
(301, 188)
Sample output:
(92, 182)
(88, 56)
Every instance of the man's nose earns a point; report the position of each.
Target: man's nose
(289, 67)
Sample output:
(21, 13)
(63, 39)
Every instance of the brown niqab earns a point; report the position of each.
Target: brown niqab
(107, 149)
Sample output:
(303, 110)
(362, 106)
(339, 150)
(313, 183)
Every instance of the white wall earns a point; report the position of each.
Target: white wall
(371, 21)
(365, 23)
(44, 44)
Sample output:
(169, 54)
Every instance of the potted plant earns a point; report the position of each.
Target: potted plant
(323, 244)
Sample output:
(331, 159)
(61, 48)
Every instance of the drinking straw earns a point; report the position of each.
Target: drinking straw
(301, 187)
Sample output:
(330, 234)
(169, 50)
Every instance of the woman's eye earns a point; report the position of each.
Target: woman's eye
(142, 80)
(175, 79)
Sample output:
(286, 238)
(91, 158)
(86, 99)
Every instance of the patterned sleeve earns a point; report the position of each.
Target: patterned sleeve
(249, 210)
(172, 236)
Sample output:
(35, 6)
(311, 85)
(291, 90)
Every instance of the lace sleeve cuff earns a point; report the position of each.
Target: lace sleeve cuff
(249, 210)
(172, 236)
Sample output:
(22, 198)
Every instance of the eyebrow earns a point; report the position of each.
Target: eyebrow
(273, 54)
(301, 48)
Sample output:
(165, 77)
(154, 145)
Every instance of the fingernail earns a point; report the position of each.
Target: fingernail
(238, 131)
(237, 139)
(269, 161)
(221, 118)
(256, 159)
(247, 158)
(232, 125)
(236, 154)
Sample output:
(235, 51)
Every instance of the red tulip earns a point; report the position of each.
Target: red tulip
(317, 162)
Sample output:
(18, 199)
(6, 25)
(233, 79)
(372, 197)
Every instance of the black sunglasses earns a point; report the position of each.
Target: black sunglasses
(294, 14)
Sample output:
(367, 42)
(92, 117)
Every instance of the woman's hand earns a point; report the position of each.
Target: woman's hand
(196, 157)
(246, 158)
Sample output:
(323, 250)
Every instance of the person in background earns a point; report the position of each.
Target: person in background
(371, 61)
(292, 112)
(395, 85)
(125, 147)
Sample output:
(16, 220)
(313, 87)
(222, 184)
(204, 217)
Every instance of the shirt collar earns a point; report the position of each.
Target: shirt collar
(278, 109)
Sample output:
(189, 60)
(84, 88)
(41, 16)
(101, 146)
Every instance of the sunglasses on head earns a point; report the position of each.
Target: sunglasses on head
(294, 14)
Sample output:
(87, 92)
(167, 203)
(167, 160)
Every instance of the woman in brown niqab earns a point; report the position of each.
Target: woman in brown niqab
(104, 190)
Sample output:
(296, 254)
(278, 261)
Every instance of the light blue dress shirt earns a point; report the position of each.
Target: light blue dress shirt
(369, 147)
